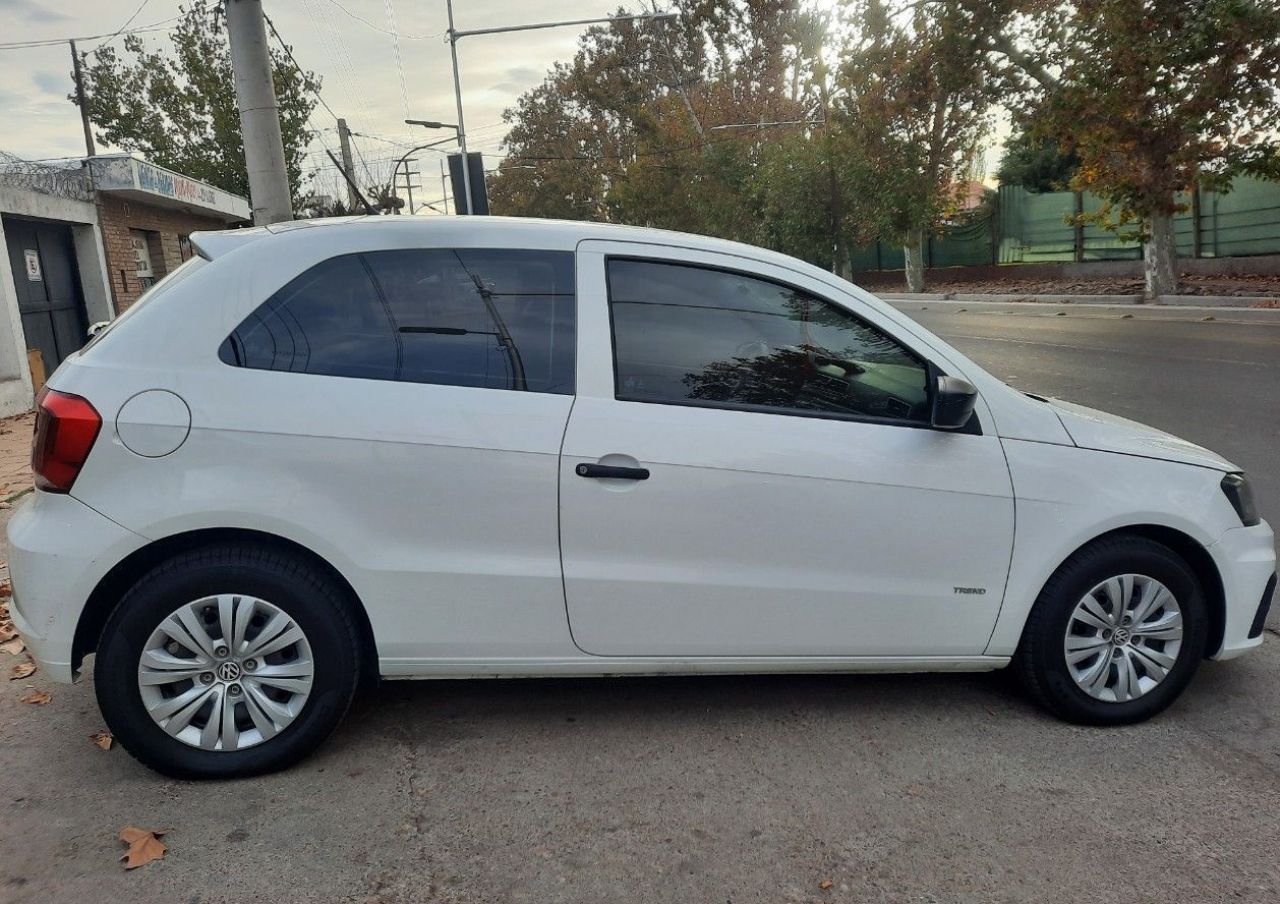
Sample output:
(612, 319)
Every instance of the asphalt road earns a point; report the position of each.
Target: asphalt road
(1214, 382)
(892, 788)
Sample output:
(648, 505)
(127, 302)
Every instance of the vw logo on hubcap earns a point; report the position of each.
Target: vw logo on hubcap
(229, 671)
(1120, 638)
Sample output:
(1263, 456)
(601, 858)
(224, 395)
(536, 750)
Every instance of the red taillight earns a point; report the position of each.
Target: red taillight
(66, 427)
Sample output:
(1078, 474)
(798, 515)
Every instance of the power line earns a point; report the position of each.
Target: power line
(389, 6)
(382, 30)
(129, 21)
(162, 25)
(289, 52)
(339, 56)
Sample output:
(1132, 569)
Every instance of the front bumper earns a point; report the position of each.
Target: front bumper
(1246, 560)
(59, 549)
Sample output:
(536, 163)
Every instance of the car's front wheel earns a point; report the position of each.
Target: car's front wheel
(227, 661)
(1116, 633)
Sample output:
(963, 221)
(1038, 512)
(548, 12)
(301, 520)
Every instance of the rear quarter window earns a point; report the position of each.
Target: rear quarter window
(497, 319)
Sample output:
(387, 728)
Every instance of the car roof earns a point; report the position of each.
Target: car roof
(502, 231)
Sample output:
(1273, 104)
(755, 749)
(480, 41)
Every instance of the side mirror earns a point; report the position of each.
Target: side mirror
(953, 401)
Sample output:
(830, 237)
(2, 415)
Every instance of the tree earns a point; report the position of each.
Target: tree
(178, 108)
(1036, 164)
(627, 130)
(916, 94)
(1156, 97)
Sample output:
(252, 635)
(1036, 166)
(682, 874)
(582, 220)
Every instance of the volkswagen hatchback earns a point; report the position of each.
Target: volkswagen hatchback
(324, 453)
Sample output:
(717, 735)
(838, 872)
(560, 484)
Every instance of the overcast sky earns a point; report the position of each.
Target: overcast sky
(356, 59)
(357, 62)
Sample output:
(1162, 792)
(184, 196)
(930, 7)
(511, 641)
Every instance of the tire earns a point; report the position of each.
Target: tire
(256, 585)
(1056, 622)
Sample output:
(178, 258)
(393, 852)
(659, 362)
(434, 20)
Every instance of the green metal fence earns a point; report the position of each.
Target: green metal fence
(1033, 228)
(970, 241)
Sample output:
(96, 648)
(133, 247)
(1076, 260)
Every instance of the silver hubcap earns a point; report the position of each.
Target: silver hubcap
(1123, 637)
(226, 672)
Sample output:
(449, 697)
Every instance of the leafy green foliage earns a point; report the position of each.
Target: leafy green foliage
(916, 94)
(757, 120)
(1036, 164)
(1157, 96)
(178, 108)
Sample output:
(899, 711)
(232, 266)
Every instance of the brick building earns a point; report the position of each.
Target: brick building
(83, 240)
(145, 214)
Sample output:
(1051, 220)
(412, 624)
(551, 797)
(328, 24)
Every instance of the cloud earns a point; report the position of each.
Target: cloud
(51, 82)
(518, 79)
(32, 11)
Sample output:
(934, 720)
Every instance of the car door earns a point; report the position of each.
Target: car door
(794, 499)
(405, 407)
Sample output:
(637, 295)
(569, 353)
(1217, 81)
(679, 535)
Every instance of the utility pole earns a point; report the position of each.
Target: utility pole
(462, 129)
(444, 188)
(408, 180)
(80, 102)
(455, 35)
(259, 113)
(344, 140)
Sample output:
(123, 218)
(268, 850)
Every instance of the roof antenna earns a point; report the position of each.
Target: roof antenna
(368, 208)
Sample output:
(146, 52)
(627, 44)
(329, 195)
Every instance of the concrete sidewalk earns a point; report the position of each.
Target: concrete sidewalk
(15, 455)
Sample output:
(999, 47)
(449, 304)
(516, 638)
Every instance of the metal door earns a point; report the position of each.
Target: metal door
(47, 281)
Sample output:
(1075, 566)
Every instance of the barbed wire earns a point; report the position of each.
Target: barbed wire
(70, 180)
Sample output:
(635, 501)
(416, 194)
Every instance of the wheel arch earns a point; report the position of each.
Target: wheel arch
(1190, 551)
(115, 583)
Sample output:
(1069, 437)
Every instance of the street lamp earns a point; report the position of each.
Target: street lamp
(454, 36)
(430, 124)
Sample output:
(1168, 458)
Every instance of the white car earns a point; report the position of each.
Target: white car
(331, 452)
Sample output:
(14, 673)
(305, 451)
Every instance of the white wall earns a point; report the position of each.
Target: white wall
(16, 394)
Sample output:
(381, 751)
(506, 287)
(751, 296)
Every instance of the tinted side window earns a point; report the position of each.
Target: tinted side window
(702, 336)
(329, 320)
(493, 319)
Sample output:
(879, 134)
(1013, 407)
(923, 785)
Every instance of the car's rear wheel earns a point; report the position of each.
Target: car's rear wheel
(227, 661)
(1115, 634)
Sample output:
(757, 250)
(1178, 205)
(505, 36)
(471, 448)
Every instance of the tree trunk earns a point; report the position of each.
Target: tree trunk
(842, 265)
(913, 254)
(1160, 257)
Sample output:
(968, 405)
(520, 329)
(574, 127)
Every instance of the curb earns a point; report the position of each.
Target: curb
(1194, 301)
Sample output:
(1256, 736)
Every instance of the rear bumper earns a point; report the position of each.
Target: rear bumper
(1246, 560)
(59, 550)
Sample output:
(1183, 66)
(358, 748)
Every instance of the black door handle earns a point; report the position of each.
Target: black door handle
(586, 470)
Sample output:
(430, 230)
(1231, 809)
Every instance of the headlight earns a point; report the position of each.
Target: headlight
(1240, 495)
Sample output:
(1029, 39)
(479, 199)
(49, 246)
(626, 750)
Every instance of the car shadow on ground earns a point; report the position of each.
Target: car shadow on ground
(417, 710)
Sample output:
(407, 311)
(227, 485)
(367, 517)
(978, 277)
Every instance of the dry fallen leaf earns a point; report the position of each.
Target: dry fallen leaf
(35, 698)
(144, 846)
(6, 588)
(825, 884)
(22, 670)
(7, 630)
(102, 738)
(13, 646)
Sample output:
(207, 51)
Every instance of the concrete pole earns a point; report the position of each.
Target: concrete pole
(408, 183)
(259, 113)
(344, 140)
(80, 101)
(462, 129)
